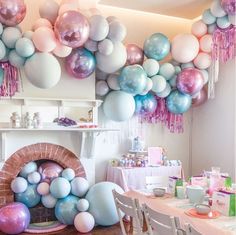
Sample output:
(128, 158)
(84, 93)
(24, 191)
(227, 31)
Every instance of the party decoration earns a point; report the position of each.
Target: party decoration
(133, 79)
(135, 54)
(223, 22)
(24, 47)
(148, 87)
(91, 45)
(72, 29)
(60, 187)
(49, 10)
(41, 22)
(119, 106)
(16, 60)
(101, 88)
(10, 36)
(157, 46)
(61, 50)
(105, 47)
(43, 70)
(19, 185)
(184, 48)
(84, 222)
(165, 92)
(34, 178)
(205, 76)
(117, 31)
(159, 83)
(113, 82)
(2, 50)
(145, 104)
(202, 61)
(68, 174)
(199, 29)
(79, 186)
(229, 6)
(27, 169)
(66, 210)
(216, 9)
(167, 70)
(80, 63)
(14, 218)
(49, 201)
(83, 205)
(102, 205)
(200, 99)
(12, 12)
(211, 28)
(151, 67)
(190, 81)
(208, 18)
(206, 43)
(178, 102)
(43, 188)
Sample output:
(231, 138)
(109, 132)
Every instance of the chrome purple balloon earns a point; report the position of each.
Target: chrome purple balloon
(190, 81)
(200, 99)
(14, 218)
(80, 63)
(135, 54)
(12, 12)
(229, 6)
(72, 29)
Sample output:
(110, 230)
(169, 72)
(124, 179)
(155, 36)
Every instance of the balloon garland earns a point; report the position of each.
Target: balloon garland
(130, 84)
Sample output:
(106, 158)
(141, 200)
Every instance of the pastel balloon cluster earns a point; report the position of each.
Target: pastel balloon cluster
(55, 187)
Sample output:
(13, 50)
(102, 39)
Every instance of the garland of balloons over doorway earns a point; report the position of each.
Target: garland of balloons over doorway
(131, 80)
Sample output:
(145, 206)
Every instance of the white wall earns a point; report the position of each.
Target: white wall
(213, 142)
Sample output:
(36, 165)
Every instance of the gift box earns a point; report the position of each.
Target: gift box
(200, 181)
(224, 202)
(155, 156)
(173, 183)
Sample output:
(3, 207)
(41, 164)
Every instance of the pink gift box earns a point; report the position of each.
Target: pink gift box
(154, 156)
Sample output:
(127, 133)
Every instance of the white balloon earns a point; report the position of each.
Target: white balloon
(113, 82)
(101, 88)
(199, 29)
(205, 75)
(206, 43)
(117, 31)
(113, 62)
(216, 9)
(159, 83)
(202, 61)
(165, 92)
(62, 50)
(105, 47)
(151, 67)
(167, 70)
(91, 45)
(49, 10)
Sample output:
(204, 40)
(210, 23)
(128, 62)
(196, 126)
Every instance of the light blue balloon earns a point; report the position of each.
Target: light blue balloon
(187, 65)
(145, 104)
(211, 28)
(5, 58)
(30, 197)
(167, 70)
(83, 205)
(177, 70)
(223, 22)
(34, 178)
(60, 187)
(151, 67)
(25, 47)
(101, 203)
(208, 18)
(172, 81)
(16, 60)
(157, 46)
(10, 36)
(66, 209)
(68, 174)
(133, 79)
(178, 102)
(164, 93)
(119, 106)
(159, 83)
(49, 201)
(1, 76)
(28, 168)
(1, 28)
(19, 185)
(2, 50)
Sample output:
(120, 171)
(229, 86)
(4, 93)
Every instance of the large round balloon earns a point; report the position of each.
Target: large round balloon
(60, 187)
(190, 81)
(119, 106)
(178, 102)
(134, 54)
(145, 104)
(12, 12)
(30, 197)
(14, 218)
(102, 205)
(43, 70)
(72, 29)
(185, 48)
(200, 99)
(157, 46)
(229, 6)
(133, 79)
(80, 63)
(113, 62)
(66, 209)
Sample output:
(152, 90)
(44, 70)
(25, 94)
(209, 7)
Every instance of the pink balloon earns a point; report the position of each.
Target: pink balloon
(41, 22)
(206, 43)
(12, 12)
(202, 61)
(43, 188)
(49, 170)
(190, 81)
(200, 99)
(72, 29)
(62, 50)
(199, 28)
(135, 54)
(44, 39)
(84, 222)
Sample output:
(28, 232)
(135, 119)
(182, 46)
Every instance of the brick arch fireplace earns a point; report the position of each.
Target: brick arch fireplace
(35, 152)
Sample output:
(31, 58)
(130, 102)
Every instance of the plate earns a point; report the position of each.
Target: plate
(211, 215)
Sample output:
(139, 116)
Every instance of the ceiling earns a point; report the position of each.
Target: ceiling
(189, 9)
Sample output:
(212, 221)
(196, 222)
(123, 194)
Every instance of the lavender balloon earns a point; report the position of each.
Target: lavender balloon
(135, 54)
(229, 6)
(72, 29)
(14, 218)
(190, 81)
(80, 63)
(145, 104)
(12, 12)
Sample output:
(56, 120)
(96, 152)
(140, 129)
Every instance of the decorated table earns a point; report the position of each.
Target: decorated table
(134, 177)
(222, 225)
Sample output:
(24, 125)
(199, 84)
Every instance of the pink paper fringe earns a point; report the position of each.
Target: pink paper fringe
(174, 122)
(11, 82)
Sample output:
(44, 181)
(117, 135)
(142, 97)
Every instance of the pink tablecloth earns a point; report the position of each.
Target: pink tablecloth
(134, 178)
(176, 207)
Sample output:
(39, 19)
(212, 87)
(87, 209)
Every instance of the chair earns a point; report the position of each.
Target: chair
(156, 181)
(130, 207)
(191, 231)
(158, 223)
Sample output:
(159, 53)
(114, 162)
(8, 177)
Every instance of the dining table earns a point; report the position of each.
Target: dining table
(170, 205)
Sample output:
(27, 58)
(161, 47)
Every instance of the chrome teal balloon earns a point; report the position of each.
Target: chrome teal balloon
(133, 79)
(178, 102)
(145, 104)
(157, 46)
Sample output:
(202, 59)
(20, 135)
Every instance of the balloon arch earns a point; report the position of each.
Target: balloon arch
(132, 80)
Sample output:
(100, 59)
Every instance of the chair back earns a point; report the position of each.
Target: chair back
(191, 230)
(129, 207)
(156, 181)
(159, 223)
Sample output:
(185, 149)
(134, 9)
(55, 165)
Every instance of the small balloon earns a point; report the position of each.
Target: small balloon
(159, 83)
(223, 22)
(135, 54)
(91, 45)
(205, 76)
(200, 99)
(148, 86)
(105, 47)
(117, 31)
(167, 70)
(101, 88)
(216, 9)
(199, 28)
(10, 36)
(172, 81)
(202, 61)
(165, 92)
(3, 50)
(61, 51)
(19, 185)
(206, 43)
(25, 47)
(151, 67)
(41, 22)
(208, 18)
(113, 82)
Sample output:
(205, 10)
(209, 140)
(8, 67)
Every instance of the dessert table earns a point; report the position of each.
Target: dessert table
(222, 225)
(134, 177)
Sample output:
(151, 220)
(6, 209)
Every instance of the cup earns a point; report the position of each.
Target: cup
(180, 192)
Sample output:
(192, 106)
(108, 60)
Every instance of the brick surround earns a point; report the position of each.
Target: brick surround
(40, 151)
